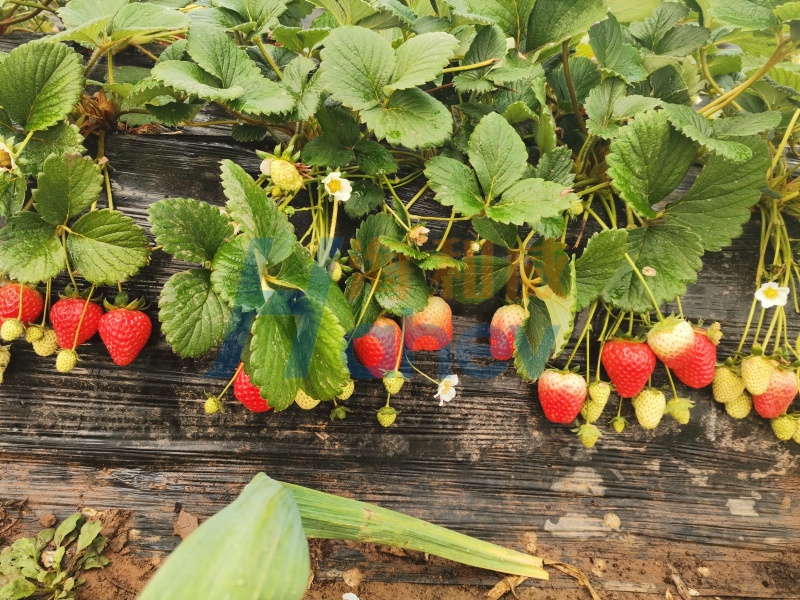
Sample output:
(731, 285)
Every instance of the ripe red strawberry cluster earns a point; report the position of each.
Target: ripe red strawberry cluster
(430, 329)
(123, 328)
(690, 354)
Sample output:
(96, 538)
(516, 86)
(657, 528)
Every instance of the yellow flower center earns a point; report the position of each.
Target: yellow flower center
(446, 387)
(771, 293)
(334, 185)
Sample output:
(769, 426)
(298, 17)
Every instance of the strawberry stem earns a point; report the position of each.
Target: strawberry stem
(83, 314)
(230, 381)
(48, 289)
(447, 231)
(431, 379)
(602, 344)
(584, 331)
(66, 259)
(747, 326)
(671, 382)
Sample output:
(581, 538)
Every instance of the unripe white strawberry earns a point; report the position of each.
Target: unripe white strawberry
(727, 385)
(649, 405)
(285, 176)
(671, 340)
(740, 407)
(757, 372)
(305, 401)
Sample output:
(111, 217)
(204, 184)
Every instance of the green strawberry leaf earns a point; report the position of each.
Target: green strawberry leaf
(301, 271)
(67, 185)
(374, 159)
(497, 154)
(672, 250)
(502, 234)
(412, 119)
(62, 138)
(326, 150)
(368, 248)
(654, 28)
(107, 247)
(194, 319)
(562, 309)
(306, 91)
(189, 230)
(257, 214)
(421, 59)
(552, 263)
(234, 275)
(365, 306)
(30, 252)
(346, 12)
(557, 166)
(699, 129)
(719, 201)
(142, 22)
(436, 261)
(747, 15)
(512, 16)
(529, 201)
(534, 341)
(482, 277)
(356, 65)
(40, 84)
(455, 185)
(12, 193)
(745, 125)
(553, 21)
(585, 76)
(189, 78)
(614, 53)
(365, 197)
(402, 289)
(253, 17)
(607, 105)
(298, 39)
(603, 255)
(648, 159)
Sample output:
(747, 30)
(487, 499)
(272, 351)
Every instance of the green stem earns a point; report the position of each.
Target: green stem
(83, 314)
(671, 382)
(23, 144)
(417, 196)
(66, 258)
(573, 98)
(602, 344)
(594, 188)
(446, 231)
(268, 58)
(431, 379)
(758, 325)
(584, 331)
(478, 65)
(369, 298)
(747, 325)
(772, 321)
(782, 146)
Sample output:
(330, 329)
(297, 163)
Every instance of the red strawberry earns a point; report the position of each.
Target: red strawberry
(125, 331)
(629, 365)
(430, 329)
(503, 330)
(65, 315)
(698, 368)
(248, 394)
(561, 395)
(32, 303)
(378, 349)
(779, 395)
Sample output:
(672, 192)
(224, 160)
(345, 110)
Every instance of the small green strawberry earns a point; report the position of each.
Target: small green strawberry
(784, 427)
(347, 390)
(213, 405)
(5, 357)
(66, 360)
(727, 385)
(335, 271)
(48, 344)
(649, 405)
(34, 333)
(757, 372)
(588, 434)
(618, 424)
(741, 407)
(599, 392)
(386, 416)
(678, 409)
(11, 330)
(305, 401)
(393, 381)
(285, 176)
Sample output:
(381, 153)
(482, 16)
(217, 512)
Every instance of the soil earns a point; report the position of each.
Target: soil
(677, 576)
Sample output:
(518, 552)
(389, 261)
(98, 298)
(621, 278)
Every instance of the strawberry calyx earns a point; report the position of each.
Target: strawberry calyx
(121, 302)
(71, 292)
(713, 333)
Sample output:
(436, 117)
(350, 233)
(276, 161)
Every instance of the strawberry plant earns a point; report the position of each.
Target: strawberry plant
(506, 128)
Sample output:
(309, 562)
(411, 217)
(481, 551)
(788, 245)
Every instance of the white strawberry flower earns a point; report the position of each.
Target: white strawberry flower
(338, 187)
(7, 163)
(266, 166)
(349, 596)
(770, 294)
(447, 389)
